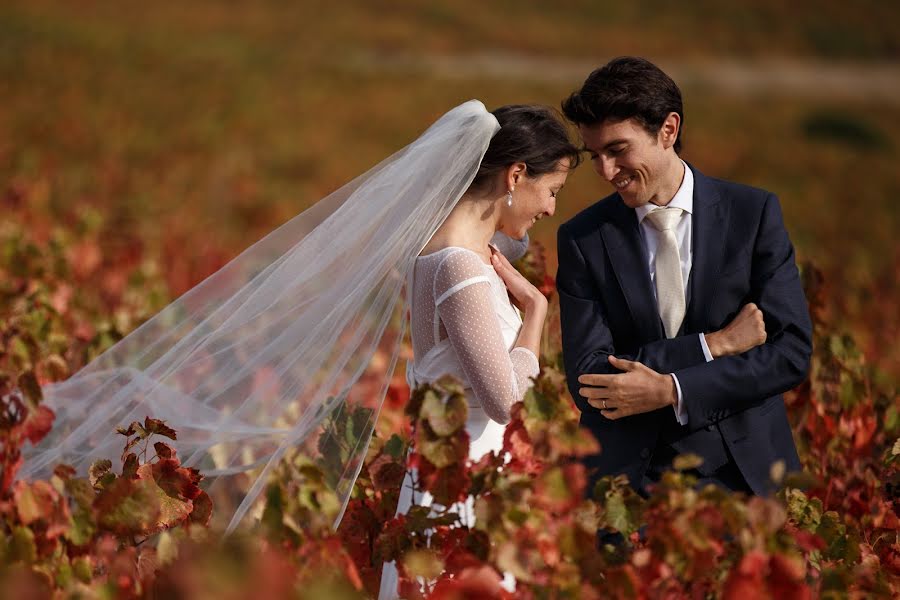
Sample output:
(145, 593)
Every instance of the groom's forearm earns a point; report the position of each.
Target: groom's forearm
(588, 344)
(730, 384)
(713, 391)
(663, 356)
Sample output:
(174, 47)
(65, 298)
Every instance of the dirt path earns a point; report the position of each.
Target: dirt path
(871, 82)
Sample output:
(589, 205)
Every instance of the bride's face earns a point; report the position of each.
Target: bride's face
(533, 199)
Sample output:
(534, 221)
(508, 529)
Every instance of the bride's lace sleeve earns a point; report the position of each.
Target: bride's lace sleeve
(497, 375)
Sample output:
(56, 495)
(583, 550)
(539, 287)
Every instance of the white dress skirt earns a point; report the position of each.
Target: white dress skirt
(463, 324)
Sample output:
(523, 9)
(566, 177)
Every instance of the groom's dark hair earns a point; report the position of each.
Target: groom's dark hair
(627, 87)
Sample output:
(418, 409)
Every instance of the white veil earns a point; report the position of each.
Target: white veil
(290, 344)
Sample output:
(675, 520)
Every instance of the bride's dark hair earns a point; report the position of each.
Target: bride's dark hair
(530, 134)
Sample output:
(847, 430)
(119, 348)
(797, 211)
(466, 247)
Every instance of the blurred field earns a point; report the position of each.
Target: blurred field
(182, 132)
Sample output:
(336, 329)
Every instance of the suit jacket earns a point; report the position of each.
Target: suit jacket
(741, 254)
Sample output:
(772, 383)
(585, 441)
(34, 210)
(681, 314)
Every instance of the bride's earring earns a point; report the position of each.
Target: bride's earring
(509, 197)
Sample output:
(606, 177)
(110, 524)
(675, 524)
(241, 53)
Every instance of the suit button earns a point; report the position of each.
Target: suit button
(710, 427)
(645, 453)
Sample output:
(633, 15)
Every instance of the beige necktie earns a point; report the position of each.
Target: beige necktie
(669, 285)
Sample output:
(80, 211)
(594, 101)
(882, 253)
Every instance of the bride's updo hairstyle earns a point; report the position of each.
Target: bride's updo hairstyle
(530, 134)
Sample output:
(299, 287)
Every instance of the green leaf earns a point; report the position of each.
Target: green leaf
(442, 451)
(617, 514)
(394, 447)
(20, 355)
(63, 575)
(29, 506)
(98, 470)
(423, 563)
(30, 387)
(83, 528)
(554, 487)
(81, 567)
(445, 415)
(128, 507)
(891, 418)
(22, 546)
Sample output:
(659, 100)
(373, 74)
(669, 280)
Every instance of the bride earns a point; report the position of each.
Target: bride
(293, 343)
(461, 286)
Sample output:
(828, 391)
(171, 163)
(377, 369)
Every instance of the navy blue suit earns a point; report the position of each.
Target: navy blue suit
(741, 254)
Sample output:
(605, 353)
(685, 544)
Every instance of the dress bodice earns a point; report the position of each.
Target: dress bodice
(463, 324)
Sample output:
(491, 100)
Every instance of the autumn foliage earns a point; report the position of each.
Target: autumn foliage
(831, 531)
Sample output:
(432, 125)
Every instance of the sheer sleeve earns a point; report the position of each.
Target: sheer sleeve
(498, 376)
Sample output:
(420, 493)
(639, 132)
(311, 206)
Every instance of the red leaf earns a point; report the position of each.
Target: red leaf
(64, 471)
(129, 469)
(173, 508)
(393, 540)
(786, 579)
(37, 424)
(517, 442)
(9, 467)
(475, 583)
(175, 480)
(447, 485)
(163, 450)
(387, 473)
(397, 394)
(159, 428)
(747, 579)
(202, 511)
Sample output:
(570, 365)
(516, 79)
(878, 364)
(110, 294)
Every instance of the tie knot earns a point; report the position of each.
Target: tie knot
(664, 218)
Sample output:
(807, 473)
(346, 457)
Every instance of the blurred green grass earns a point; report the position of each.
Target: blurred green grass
(203, 125)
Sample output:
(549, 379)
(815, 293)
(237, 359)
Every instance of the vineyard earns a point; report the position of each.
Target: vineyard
(142, 149)
(831, 530)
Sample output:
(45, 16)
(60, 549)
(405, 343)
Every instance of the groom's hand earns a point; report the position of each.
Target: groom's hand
(747, 330)
(638, 389)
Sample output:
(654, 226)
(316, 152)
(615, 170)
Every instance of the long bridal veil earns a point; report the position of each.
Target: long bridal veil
(291, 344)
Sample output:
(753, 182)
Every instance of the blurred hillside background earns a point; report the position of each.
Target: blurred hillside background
(171, 135)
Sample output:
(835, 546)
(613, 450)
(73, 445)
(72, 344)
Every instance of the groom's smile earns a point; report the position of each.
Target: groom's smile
(621, 184)
(639, 165)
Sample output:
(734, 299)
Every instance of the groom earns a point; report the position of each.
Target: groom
(683, 316)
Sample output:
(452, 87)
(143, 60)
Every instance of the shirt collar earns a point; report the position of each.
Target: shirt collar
(683, 198)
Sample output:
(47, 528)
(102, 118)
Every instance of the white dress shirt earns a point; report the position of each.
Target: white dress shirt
(683, 199)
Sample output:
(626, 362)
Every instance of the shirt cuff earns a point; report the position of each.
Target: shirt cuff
(681, 414)
(705, 347)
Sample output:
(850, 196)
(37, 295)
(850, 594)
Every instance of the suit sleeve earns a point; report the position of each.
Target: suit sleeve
(587, 339)
(715, 390)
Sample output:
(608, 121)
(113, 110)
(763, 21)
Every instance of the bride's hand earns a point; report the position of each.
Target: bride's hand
(522, 293)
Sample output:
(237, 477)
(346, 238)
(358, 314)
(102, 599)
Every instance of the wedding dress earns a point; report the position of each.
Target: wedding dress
(464, 325)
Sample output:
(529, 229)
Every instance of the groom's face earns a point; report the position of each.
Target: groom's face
(632, 160)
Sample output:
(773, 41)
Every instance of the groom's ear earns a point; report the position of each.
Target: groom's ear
(668, 133)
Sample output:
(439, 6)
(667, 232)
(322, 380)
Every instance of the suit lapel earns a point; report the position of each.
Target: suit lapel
(622, 241)
(709, 231)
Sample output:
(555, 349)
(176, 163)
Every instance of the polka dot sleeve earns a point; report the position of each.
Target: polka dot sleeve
(466, 306)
